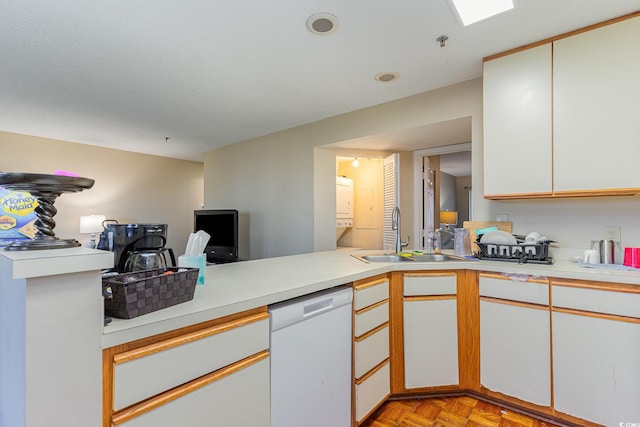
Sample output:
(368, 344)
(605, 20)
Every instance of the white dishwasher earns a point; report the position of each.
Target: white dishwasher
(311, 360)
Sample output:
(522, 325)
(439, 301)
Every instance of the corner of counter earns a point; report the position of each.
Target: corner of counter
(28, 264)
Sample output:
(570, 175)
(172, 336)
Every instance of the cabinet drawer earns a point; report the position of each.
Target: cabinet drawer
(531, 292)
(147, 371)
(372, 391)
(429, 285)
(238, 399)
(371, 351)
(370, 295)
(607, 302)
(371, 318)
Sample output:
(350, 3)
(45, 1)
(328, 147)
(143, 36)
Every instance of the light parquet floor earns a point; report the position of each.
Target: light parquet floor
(460, 411)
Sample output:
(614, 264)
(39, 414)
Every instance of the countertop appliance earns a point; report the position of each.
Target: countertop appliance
(137, 246)
(311, 360)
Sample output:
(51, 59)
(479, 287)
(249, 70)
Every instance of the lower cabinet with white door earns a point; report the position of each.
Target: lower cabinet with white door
(430, 329)
(515, 353)
(596, 351)
(216, 373)
(371, 365)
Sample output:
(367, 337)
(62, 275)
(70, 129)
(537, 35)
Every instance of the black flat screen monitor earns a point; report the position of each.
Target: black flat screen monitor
(222, 226)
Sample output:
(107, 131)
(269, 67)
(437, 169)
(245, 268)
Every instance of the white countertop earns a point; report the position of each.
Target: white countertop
(235, 287)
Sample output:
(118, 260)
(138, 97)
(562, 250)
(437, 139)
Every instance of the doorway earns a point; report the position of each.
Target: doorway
(442, 193)
(444, 137)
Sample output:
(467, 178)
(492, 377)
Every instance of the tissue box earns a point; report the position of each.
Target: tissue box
(195, 261)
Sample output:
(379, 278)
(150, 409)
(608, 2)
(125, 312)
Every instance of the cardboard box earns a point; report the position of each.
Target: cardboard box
(17, 216)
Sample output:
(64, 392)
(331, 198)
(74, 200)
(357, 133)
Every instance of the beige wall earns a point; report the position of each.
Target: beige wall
(275, 180)
(129, 187)
(254, 174)
(284, 183)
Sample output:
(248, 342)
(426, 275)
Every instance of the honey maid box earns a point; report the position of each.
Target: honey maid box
(17, 216)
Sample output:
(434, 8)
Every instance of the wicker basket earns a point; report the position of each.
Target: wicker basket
(141, 292)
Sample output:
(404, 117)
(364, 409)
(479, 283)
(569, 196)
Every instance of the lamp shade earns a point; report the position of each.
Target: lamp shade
(448, 217)
(91, 223)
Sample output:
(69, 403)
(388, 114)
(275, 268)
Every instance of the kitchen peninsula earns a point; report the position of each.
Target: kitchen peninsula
(51, 335)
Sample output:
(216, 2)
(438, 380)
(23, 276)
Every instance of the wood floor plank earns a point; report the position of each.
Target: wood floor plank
(459, 411)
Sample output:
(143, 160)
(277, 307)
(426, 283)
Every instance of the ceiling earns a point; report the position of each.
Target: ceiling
(203, 73)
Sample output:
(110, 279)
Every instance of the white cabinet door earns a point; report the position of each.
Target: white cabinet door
(596, 93)
(240, 399)
(517, 123)
(596, 368)
(430, 343)
(515, 354)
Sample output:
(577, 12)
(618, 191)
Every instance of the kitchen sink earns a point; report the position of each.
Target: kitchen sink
(398, 258)
(383, 258)
(432, 258)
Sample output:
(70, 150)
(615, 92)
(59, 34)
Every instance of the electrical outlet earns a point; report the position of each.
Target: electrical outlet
(613, 232)
(500, 217)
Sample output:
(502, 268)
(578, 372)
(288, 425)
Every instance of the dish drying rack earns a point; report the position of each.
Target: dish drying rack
(536, 253)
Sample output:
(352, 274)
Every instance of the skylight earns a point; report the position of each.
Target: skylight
(470, 11)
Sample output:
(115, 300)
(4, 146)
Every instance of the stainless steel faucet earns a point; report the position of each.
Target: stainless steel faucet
(395, 225)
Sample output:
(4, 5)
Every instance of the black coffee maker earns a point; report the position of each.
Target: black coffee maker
(137, 246)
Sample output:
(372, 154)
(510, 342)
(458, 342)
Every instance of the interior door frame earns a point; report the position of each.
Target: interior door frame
(418, 176)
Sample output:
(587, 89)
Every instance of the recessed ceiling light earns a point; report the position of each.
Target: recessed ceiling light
(387, 77)
(322, 23)
(470, 11)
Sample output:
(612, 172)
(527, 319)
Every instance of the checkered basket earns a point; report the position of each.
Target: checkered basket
(141, 292)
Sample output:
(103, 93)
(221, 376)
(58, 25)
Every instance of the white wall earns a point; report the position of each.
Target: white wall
(573, 223)
(129, 187)
(271, 178)
(448, 200)
(324, 200)
(462, 198)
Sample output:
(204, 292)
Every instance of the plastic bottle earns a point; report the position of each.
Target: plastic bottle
(429, 245)
(437, 242)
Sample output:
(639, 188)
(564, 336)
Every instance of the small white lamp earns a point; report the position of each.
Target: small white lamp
(91, 224)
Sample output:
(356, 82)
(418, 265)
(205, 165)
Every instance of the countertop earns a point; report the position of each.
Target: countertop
(235, 287)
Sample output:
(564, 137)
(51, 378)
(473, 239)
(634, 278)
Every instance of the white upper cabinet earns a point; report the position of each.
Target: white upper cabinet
(517, 123)
(562, 119)
(596, 108)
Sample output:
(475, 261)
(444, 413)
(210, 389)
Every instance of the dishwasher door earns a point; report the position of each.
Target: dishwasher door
(311, 360)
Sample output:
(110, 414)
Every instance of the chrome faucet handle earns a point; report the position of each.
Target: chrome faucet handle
(405, 244)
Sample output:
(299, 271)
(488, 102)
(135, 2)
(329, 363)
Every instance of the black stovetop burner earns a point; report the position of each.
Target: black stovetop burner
(544, 261)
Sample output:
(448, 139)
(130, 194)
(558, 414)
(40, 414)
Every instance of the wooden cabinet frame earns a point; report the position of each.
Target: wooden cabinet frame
(468, 318)
(555, 193)
(360, 285)
(146, 346)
